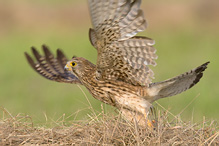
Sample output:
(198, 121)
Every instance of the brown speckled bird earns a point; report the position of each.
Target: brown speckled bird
(121, 76)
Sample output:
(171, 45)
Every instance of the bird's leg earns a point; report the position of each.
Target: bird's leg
(149, 122)
(150, 117)
(132, 116)
(141, 119)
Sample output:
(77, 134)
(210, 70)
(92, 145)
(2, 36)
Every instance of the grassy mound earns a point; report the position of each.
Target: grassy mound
(107, 129)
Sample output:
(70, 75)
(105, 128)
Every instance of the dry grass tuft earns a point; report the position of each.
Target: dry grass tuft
(106, 129)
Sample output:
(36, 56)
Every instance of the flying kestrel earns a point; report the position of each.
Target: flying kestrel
(121, 76)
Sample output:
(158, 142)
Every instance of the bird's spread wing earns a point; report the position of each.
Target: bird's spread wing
(121, 55)
(50, 67)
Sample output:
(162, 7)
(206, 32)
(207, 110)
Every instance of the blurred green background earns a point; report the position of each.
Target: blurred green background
(186, 34)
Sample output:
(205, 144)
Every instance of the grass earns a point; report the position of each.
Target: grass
(106, 129)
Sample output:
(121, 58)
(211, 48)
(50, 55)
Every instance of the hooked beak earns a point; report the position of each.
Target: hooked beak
(67, 67)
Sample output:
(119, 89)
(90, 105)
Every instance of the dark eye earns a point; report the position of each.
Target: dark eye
(73, 64)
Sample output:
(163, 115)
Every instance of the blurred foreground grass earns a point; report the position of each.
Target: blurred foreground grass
(185, 38)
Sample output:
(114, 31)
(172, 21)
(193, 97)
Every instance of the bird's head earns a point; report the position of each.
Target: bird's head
(79, 66)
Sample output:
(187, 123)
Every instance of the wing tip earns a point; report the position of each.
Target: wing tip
(61, 57)
(45, 48)
(47, 52)
(29, 60)
(35, 52)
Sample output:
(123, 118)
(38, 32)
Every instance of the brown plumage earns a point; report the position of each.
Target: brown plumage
(121, 76)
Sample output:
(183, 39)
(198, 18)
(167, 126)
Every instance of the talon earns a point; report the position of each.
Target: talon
(150, 124)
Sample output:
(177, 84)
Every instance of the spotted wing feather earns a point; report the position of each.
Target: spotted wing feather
(139, 53)
(132, 59)
(50, 67)
(121, 56)
(115, 20)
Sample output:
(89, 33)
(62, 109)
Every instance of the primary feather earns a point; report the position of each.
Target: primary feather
(50, 67)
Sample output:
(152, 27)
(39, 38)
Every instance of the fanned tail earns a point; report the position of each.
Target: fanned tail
(178, 84)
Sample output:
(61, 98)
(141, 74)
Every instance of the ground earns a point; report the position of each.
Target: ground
(107, 129)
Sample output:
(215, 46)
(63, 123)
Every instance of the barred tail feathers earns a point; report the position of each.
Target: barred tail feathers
(178, 84)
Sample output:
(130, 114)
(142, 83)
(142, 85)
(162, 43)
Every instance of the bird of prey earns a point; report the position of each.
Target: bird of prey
(121, 76)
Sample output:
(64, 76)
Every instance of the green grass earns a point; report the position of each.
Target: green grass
(23, 91)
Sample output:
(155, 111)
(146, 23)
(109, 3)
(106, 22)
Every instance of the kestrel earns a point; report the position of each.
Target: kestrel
(121, 76)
